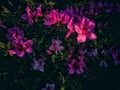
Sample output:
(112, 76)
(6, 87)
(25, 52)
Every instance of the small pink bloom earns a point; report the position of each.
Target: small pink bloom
(48, 52)
(27, 46)
(63, 18)
(85, 30)
(20, 47)
(52, 17)
(11, 52)
(56, 46)
(28, 16)
(70, 27)
(38, 11)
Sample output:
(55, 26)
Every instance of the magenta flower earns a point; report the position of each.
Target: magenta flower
(15, 33)
(70, 27)
(63, 18)
(27, 46)
(56, 46)
(77, 65)
(38, 12)
(38, 64)
(20, 47)
(52, 17)
(28, 16)
(49, 87)
(115, 54)
(85, 30)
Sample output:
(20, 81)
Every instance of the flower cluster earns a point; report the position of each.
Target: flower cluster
(66, 48)
(76, 23)
(29, 16)
(15, 35)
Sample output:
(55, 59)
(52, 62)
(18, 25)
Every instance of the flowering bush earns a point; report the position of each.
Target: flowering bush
(46, 46)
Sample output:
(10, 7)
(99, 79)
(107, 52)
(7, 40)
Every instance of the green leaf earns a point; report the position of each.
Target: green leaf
(62, 88)
(2, 45)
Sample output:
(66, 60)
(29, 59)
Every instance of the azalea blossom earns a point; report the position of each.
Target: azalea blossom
(70, 27)
(38, 64)
(85, 30)
(38, 12)
(29, 16)
(56, 45)
(49, 87)
(20, 47)
(77, 65)
(63, 18)
(15, 33)
(52, 17)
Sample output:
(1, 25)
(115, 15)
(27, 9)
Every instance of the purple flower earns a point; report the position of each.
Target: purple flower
(56, 46)
(77, 65)
(49, 87)
(94, 52)
(115, 54)
(38, 64)
(15, 33)
(63, 18)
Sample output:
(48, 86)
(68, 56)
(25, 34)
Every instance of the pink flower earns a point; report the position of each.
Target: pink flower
(38, 11)
(11, 52)
(70, 27)
(27, 46)
(20, 47)
(63, 18)
(48, 52)
(77, 65)
(85, 30)
(52, 17)
(28, 16)
(56, 46)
